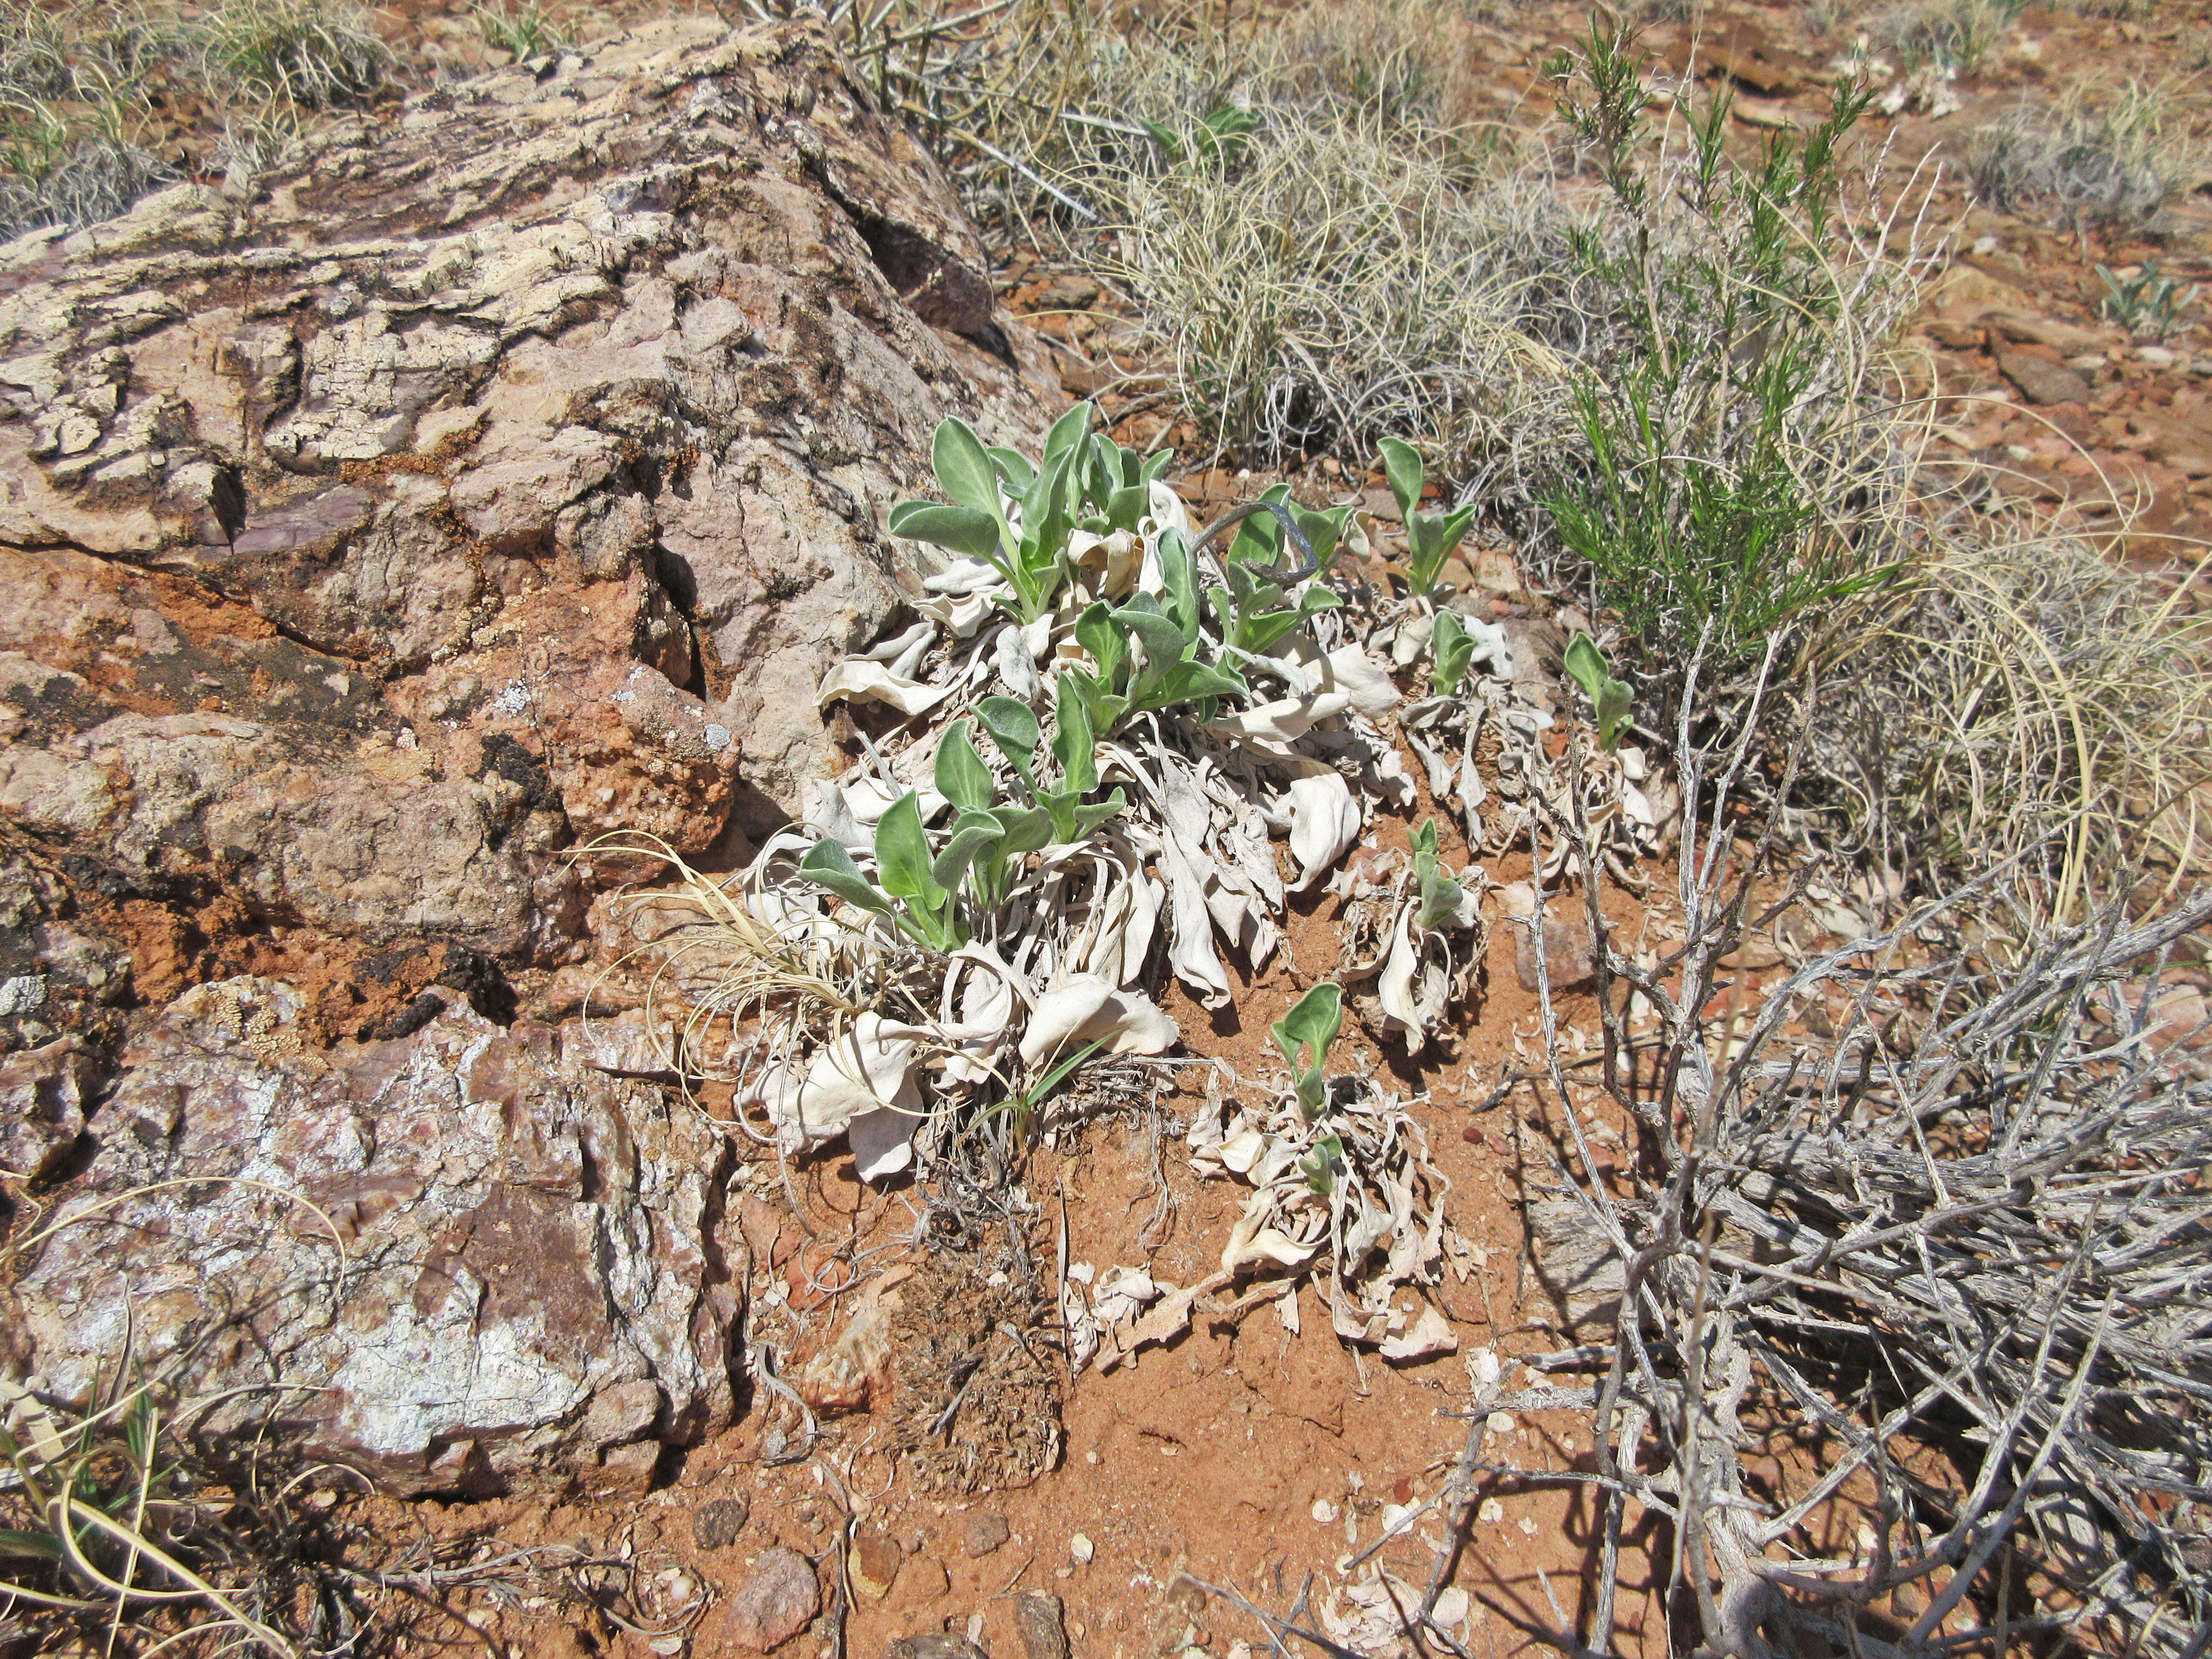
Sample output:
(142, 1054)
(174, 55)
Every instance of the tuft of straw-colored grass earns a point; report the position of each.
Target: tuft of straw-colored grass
(316, 53)
(2029, 699)
(1336, 288)
(2103, 155)
(1954, 34)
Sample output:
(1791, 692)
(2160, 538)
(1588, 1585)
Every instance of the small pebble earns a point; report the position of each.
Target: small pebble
(1492, 1510)
(1501, 1422)
(1080, 1549)
(1323, 1510)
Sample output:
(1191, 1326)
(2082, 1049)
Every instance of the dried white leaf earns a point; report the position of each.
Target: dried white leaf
(1324, 824)
(965, 575)
(1085, 1009)
(870, 1065)
(1365, 680)
(1016, 664)
(1432, 1334)
(858, 680)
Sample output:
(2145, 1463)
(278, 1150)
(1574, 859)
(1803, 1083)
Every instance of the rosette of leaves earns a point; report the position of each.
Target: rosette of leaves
(1422, 972)
(1610, 698)
(1013, 726)
(919, 889)
(1017, 517)
(1150, 651)
(1303, 1036)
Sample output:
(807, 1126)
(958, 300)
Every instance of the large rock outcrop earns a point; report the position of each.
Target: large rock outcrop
(376, 534)
(487, 480)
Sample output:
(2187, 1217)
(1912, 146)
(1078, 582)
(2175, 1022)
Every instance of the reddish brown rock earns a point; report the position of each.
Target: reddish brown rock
(778, 1599)
(875, 1563)
(42, 1094)
(476, 1268)
(2042, 382)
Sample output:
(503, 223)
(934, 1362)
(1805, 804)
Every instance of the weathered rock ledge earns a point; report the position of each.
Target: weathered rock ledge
(486, 480)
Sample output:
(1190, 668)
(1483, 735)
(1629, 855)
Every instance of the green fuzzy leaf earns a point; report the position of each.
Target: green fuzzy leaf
(963, 529)
(1162, 640)
(1095, 633)
(1189, 681)
(970, 843)
(1259, 539)
(1024, 831)
(828, 865)
(1069, 432)
(1424, 841)
(1104, 708)
(1073, 744)
(1088, 818)
(963, 466)
(1611, 699)
(1126, 505)
(1312, 1023)
(1323, 1164)
(1014, 468)
(1013, 725)
(1455, 649)
(1401, 465)
(962, 777)
(903, 855)
(1179, 576)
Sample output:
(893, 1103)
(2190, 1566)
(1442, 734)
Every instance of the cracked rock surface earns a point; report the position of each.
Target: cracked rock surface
(486, 479)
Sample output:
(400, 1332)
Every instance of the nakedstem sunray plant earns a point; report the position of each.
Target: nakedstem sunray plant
(1706, 513)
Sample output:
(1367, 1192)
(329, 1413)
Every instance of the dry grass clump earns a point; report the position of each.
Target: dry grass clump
(71, 113)
(1952, 35)
(76, 128)
(314, 54)
(1339, 287)
(2102, 156)
(2028, 703)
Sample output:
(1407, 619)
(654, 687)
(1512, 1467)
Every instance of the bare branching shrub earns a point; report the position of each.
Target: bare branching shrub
(2111, 156)
(1960, 1238)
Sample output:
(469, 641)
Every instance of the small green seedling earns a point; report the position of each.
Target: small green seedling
(1034, 559)
(1013, 725)
(918, 892)
(2148, 304)
(1118, 482)
(1217, 145)
(1310, 1027)
(1454, 648)
(1441, 896)
(1250, 610)
(1609, 697)
(1430, 538)
(1323, 1164)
